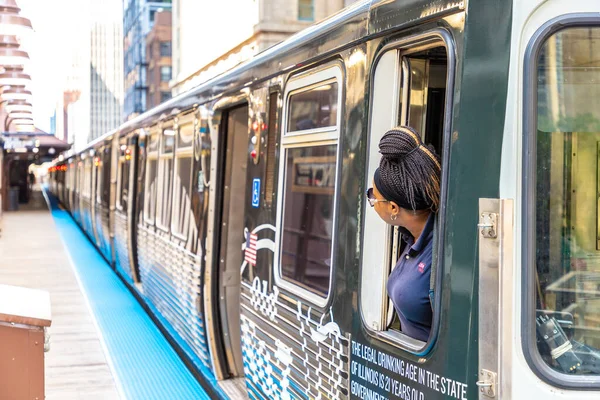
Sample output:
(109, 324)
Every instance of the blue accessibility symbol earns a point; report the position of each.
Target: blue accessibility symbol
(256, 192)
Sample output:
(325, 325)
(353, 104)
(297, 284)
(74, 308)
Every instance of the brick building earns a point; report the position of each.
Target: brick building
(158, 60)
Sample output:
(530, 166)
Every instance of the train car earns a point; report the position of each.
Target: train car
(236, 211)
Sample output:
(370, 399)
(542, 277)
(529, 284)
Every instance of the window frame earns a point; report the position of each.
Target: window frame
(528, 217)
(170, 73)
(86, 187)
(79, 177)
(405, 46)
(312, 7)
(121, 160)
(106, 160)
(119, 189)
(298, 83)
(162, 161)
(168, 46)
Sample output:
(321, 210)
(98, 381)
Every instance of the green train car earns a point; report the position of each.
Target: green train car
(236, 211)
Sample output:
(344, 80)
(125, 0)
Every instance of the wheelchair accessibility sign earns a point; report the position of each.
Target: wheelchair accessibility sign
(256, 192)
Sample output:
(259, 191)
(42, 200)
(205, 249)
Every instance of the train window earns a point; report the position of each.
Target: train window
(165, 177)
(185, 138)
(308, 173)
(153, 144)
(409, 87)
(87, 178)
(151, 184)
(99, 179)
(313, 108)
(79, 178)
(124, 192)
(564, 218)
(106, 161)
(123, 170)
(119, 184)
(168, 142)
(182, 197)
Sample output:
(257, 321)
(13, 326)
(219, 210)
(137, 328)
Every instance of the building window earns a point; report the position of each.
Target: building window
(306, 10)
(164, 96)
(165, 49)
(165, 74)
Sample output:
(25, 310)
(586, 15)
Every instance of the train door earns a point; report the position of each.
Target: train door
(122, 209)
(132, 212)
(103, 212)
(545, 319)
(294, 310)
(140, 197)
(86, 199)
(233, 143)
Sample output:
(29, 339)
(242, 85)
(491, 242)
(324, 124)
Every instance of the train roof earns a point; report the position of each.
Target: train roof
(353, 24)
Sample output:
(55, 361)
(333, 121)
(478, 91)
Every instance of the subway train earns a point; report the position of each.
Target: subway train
(236, 211)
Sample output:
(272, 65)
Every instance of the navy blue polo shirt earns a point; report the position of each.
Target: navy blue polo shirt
(408, 284)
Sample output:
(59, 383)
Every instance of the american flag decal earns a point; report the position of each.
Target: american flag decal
(250, 251)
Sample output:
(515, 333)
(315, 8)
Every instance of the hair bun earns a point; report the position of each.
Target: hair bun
(399, 142)
(409, 172)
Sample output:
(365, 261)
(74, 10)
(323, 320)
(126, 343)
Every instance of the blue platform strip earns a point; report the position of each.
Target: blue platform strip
(145, 365)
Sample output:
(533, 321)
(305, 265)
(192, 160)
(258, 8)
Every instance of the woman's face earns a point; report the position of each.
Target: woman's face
(386, 209)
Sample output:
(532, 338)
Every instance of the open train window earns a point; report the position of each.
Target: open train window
(411, 85)
(307, 178)
(165, 179)
(182, 197)
(151, 184)
(561, 256)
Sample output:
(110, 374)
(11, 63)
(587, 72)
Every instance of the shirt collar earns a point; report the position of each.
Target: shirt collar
(425, 237)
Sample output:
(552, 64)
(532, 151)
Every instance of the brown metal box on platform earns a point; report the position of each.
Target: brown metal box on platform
(24, 315)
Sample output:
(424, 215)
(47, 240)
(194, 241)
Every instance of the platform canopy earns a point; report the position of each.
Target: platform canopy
(37, 147)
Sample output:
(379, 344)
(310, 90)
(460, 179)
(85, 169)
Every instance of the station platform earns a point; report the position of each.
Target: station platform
(103, 344)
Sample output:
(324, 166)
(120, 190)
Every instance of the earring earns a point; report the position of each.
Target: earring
(394, 216)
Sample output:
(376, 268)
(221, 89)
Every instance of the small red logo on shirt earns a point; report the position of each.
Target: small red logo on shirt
(421, 267)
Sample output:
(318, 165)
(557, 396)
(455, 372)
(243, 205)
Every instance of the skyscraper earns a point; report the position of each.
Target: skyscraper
(92, 102)
(106, 67)
(138, 20)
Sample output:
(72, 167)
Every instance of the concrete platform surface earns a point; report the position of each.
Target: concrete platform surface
(32, 255)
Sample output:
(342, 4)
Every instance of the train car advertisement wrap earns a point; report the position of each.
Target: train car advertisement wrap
(377, 375)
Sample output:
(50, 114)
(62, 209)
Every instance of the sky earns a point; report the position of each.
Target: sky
(56, 24)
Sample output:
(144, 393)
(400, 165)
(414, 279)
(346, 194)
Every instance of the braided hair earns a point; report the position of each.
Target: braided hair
(409, 171)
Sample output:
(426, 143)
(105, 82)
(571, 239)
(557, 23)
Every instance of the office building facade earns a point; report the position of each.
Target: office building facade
(252, 28)
(138, 19)
(158, 60)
